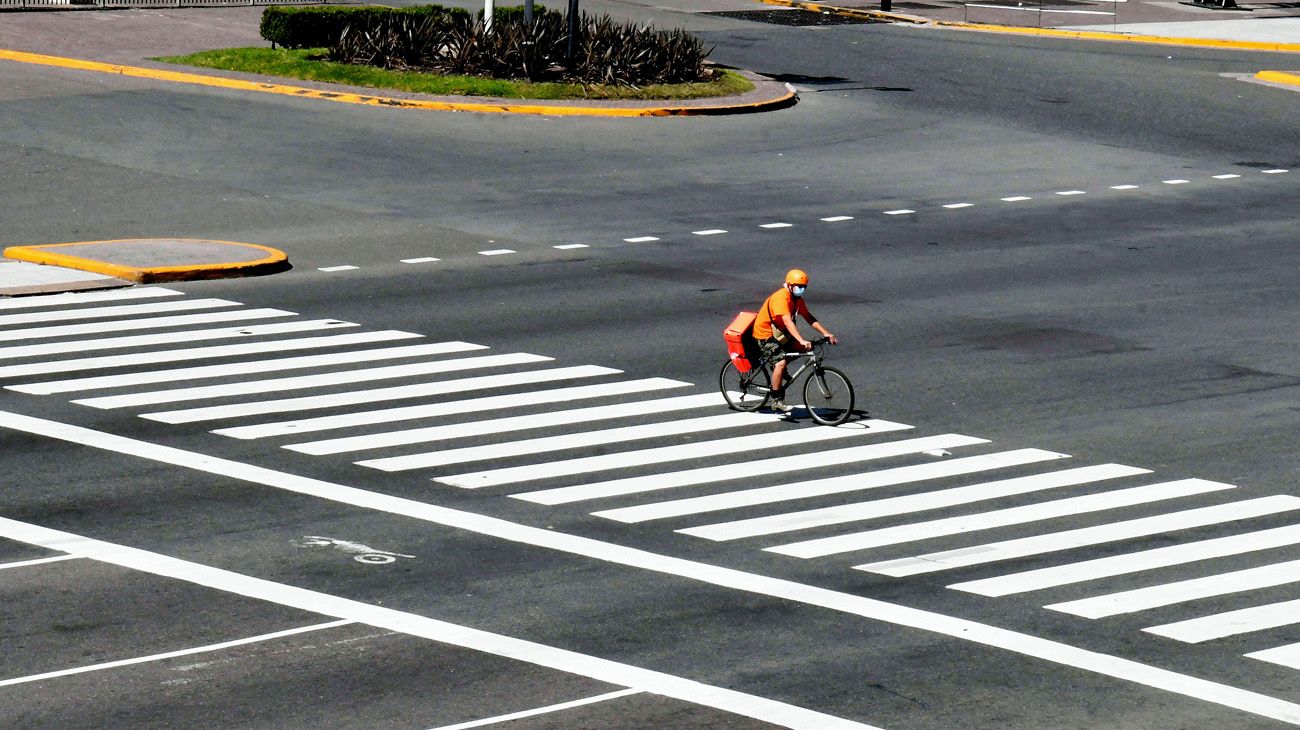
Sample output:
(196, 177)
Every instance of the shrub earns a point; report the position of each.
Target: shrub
(605, 52)
(322, 26)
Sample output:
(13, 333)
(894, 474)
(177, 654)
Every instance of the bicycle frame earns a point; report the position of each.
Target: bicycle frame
(815, 357)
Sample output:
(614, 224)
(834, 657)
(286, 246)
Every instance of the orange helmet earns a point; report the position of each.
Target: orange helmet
(797, 277)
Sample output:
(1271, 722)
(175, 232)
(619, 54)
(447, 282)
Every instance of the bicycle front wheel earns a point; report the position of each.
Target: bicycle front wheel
(829, 396)
(744, 391)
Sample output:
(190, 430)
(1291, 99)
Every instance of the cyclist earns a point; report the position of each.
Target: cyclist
(775, 331)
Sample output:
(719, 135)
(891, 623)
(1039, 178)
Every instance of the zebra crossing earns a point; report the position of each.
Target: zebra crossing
(666, 452)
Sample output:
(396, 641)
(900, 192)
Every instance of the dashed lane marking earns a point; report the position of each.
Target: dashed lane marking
(332, 269)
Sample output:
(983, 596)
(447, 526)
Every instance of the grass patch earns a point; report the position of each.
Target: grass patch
(309, 65)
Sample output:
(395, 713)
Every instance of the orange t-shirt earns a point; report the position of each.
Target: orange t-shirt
(781, 302)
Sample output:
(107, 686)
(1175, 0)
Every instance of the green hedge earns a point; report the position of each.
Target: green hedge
(292, 26)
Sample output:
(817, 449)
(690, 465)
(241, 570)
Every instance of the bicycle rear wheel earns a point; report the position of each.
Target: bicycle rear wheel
(829, 396)
(744, 391)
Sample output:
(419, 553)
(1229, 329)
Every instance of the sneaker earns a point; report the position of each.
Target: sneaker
(779, 406)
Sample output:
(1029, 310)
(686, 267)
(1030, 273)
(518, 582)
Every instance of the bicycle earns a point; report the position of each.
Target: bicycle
(827, 392)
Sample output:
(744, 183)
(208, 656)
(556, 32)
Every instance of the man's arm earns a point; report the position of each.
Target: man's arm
(818, 326)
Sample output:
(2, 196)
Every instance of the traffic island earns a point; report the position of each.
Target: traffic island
(151, 260)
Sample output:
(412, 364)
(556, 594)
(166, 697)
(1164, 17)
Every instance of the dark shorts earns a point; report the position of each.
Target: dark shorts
(773, 348)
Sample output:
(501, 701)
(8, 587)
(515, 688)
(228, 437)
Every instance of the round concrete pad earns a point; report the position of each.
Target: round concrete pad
(146, 260)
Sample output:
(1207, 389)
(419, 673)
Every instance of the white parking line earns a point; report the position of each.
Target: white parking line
(170, 654)
(540, 710)
(620, 675)
(410, 624)
(38, 561)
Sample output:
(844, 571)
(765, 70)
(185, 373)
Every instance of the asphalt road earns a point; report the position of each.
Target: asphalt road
(1150, 327)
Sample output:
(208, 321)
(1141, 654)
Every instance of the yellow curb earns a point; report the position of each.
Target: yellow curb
(1279, 77)
(349, 98)
(853, 12)
(1132, 38)
(275, 260)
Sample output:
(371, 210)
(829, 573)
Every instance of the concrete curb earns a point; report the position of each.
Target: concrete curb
(787, 97)
(1043, 32)
(1279, 77)
(269, 262)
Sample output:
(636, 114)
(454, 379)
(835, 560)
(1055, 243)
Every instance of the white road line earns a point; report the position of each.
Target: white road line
(570, 246)
(38, 561)
(248, 367)
(434, 410)
(776, 225)
(1226, 177)
(181, 320)
(662, 455)
(1016, 198)
(900, 211)
(838, 218)
(1175, 182)
(1287, 656)
(1123, 187)
(1086, 536)
(172, 654)
(169, 338)
(825, 487)
(410, 624)
(1231, 623)
(421, 260)
(1135, 562)
(1168, 594)
(964, 630)
(331, 269)
(964, 524)
(641, 239)
(375, 395)
(506, 425)
(954, 206)
(709, 232)
(125, 310)
(540, 710)
(94, 297)
(275, 385)
(496, 252)
(909, 503)
(81, 364)
(746, 469)
(1072, 192)
(547, 444)
(1274, 172)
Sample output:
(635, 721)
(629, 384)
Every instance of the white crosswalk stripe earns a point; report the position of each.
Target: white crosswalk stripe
(1142, 599)
(662, 455)
(1162, 557)
(471, 405)
(506, 425)
(46, 349)
(63, 315)
(988, 520)
(1231, 623)
(192, 353)
(826, 487)
(778, 465)
(569, 441)
(249, 367)
(378, 395)
(1096, 535)
(94, 297)
(276, 385)
(909, 503)
(122, 325)
(575, 423)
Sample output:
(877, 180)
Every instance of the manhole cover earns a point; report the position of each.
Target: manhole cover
(794, 17)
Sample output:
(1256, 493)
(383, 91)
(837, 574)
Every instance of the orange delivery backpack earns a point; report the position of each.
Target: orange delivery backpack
(738, 335)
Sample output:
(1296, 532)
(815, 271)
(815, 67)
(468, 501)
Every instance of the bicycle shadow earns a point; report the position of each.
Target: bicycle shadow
(798, 413)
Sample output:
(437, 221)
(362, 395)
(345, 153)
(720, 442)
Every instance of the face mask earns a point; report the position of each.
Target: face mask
(797, 291)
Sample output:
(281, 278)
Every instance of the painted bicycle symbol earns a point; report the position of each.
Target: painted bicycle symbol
(360, 553)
